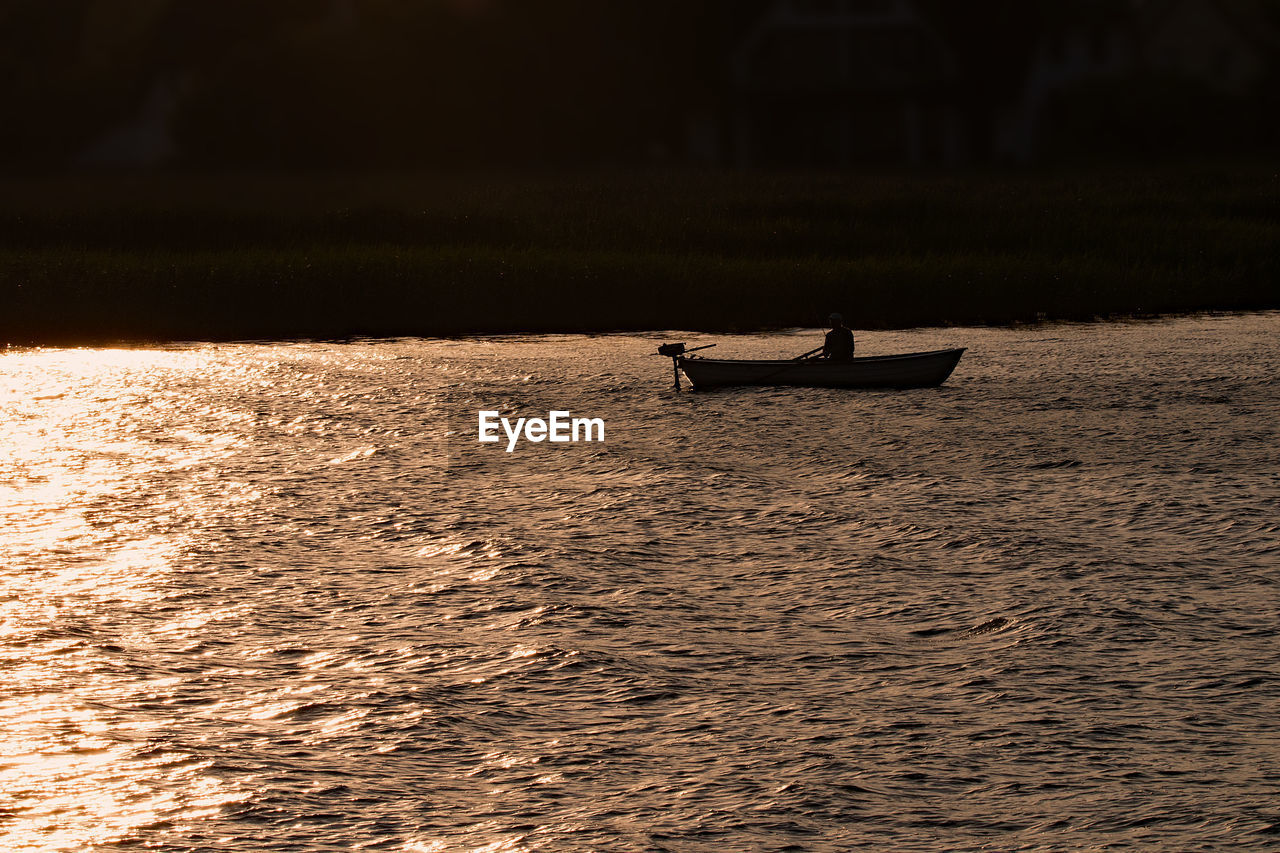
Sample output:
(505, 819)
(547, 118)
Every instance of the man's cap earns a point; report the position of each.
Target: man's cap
(836, 317)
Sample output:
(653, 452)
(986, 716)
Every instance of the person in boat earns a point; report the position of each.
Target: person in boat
(839, 343)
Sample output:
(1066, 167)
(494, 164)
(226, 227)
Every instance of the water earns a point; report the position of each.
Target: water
(279, 597)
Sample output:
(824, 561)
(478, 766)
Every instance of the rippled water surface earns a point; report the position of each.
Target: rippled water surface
(279, 597)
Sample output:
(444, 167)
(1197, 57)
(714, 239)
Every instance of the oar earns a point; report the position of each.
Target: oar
(809, 353)
(795, 362)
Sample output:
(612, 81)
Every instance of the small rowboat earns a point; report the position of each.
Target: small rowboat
(909, 370)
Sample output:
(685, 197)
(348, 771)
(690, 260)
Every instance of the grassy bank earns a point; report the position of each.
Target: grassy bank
(250, 257)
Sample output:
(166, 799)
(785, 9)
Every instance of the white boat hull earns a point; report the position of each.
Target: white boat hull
(909, 370)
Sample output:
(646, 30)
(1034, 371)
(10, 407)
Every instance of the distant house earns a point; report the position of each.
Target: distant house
(144, 140)
(1075, 45)
(830, 83)
(1219, 45)
(1225, 44)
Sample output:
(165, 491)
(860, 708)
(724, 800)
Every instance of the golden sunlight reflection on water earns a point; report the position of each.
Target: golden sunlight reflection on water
(75, 770)
(277, 596)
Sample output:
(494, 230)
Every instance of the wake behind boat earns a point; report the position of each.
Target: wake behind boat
(907, 370)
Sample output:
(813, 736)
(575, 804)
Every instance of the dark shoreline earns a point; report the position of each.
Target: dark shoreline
(183, 258)
(60, 342)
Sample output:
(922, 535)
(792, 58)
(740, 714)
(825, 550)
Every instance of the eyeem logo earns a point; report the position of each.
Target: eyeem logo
(559, 428)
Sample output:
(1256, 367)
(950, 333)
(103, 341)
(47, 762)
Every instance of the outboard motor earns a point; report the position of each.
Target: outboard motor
(675, 351)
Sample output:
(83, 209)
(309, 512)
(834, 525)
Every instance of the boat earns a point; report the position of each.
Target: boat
(907, 370)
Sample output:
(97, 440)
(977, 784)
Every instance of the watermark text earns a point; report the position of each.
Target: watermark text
(558, 427)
